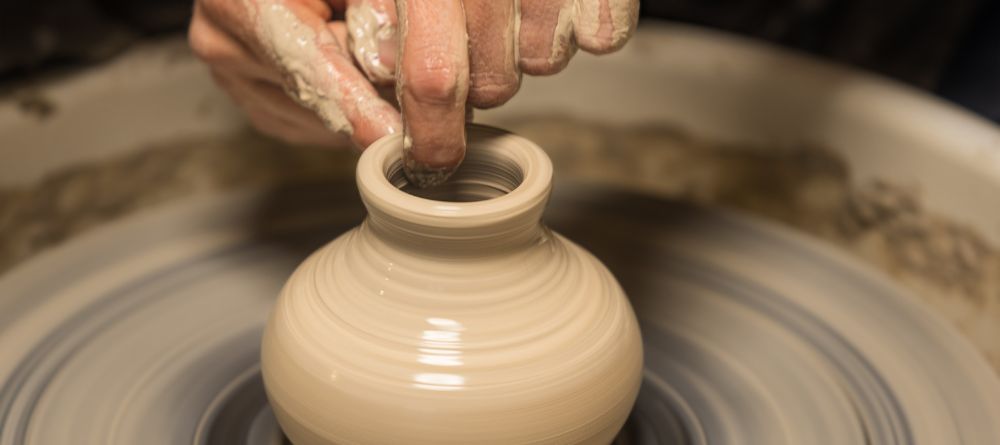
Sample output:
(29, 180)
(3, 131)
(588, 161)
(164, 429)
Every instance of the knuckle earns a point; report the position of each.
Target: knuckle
(434, 86)
(202, 43)
(212, 8)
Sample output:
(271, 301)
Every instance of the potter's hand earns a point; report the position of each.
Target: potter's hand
(257, 48)
(438, 76)
(452, 53)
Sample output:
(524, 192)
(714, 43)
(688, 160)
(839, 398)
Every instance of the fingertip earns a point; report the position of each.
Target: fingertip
(494, 76)
(545, 66)
(423, 176)
(604, 26)
(434, 147)
(546, 39)
(196, 36)
(433, 82)
(209, 44)
(602, 44)
(488, 91)
(372, 29)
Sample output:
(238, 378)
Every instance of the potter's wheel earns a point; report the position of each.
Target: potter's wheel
(146, 330)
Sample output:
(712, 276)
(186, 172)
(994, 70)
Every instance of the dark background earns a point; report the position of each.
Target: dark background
(951, 48)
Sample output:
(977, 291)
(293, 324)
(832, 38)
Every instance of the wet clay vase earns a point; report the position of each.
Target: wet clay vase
(453, 316)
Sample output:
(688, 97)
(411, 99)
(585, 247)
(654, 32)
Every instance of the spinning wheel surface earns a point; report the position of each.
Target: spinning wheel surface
(147, 330)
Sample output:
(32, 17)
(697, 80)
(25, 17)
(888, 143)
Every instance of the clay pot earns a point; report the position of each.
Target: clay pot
(453, 317)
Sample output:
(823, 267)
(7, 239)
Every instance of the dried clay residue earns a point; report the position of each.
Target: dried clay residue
(949, 266)
(72, 201)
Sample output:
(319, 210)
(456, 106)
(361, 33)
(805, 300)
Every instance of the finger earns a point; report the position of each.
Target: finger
(222, 51)
(372, 37)
(546, 37)
(267, 96)
(318, 72)
(275, 114)
(340, 33)
(493, 73)
(603, 26)
(432, 85)
(239, 17)
(255, 99)
(318, 136)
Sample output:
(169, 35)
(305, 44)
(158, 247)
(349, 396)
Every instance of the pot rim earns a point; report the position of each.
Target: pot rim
(529, 196)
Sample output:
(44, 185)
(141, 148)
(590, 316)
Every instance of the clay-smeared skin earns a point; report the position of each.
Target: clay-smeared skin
(432, 84)
(319, 72)
(257, 48)
(372, 37)
(493, 72)
(603, 26)
(505, 36)
(546, 40)
(445, 56)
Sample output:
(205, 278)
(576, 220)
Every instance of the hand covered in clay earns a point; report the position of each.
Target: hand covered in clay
(260, 49)
(459, 52)
(443, 55)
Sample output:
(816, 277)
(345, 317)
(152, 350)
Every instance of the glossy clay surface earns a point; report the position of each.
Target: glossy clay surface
(462, 321)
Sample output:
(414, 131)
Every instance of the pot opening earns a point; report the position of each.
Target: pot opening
(483, 175)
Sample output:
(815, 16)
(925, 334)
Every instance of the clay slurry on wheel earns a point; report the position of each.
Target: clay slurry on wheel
(752, 334)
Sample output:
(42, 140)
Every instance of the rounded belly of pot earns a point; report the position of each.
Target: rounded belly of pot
(385, 372)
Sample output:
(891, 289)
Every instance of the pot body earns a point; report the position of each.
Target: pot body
(452, 329)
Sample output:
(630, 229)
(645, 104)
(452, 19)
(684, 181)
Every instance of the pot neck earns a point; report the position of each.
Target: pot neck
(494, 201)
